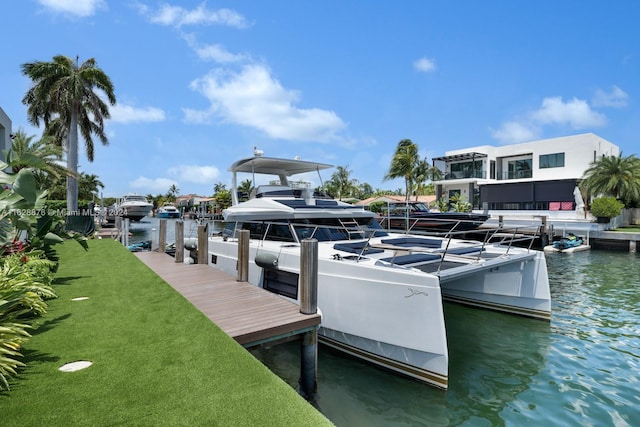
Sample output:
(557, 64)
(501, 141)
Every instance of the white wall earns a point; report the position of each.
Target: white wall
(5, 133)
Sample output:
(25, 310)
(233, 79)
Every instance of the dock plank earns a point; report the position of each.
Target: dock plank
(245, 312)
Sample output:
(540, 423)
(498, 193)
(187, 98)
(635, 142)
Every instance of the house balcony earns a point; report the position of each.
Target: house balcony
(515, 175)
(465, 175)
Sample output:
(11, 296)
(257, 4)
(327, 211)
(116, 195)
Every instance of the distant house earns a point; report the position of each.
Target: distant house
(5, 133)
(428, 200)
(534, 176)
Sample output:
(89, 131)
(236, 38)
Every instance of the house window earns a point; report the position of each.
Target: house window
(466, 170)
(519, 169)
(555, 160)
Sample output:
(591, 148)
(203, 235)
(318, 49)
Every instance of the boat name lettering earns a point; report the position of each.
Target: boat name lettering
(414, 292)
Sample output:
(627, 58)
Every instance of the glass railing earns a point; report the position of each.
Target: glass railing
(465, 175)
(515, 174)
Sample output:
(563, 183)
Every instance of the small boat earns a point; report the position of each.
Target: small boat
(380, 293)
(569, 243)
(416, 216)
(168, 211)
(141, 246)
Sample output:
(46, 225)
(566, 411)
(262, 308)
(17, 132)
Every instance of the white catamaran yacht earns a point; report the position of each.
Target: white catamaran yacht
(380, 294)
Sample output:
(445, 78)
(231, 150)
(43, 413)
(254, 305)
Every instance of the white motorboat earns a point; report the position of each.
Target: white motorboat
(380, 294)
(132, 206)
(168, 211)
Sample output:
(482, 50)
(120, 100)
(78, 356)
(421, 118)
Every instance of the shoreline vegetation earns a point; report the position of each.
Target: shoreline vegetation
(156, 359)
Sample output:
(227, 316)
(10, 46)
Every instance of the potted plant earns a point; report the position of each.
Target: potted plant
(605, 208)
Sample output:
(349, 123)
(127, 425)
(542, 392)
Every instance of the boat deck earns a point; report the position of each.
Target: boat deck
(250, 315)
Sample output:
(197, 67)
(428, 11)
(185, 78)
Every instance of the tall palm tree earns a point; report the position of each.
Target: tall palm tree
(615, 176)
(403, 164)
(63, 96)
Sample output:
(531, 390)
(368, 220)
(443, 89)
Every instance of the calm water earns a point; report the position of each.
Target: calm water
(583, 368)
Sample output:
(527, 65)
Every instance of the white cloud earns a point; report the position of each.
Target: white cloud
(514, 132)
(617, 98)
(213, 52)
(424, 65)
(178, 17)
(255, 99)
(152, 185)
(127, 114)
(81, 8)
(576, 113)
(195, 174)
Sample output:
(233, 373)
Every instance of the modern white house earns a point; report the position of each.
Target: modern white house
(533, 176)
(5, 133)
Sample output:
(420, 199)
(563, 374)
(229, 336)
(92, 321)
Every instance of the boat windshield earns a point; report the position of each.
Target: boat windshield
(321, 229)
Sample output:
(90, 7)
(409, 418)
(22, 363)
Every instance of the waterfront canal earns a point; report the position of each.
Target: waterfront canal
(582, 368)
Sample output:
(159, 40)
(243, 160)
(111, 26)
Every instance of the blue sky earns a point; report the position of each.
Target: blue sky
(200, 84)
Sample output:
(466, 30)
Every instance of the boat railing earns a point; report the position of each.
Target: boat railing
(474, 248)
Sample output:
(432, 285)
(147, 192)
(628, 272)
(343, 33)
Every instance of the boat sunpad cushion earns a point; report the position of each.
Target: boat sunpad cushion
(356, 248)
(413, 241)
(462, 251)
(411, 259)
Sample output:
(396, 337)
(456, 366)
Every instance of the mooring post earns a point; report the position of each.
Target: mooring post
(162, 238)
(544, 236)
(118, 226)
(125, 231)
(179, 255)
(243, 255)
(309, 305)
(203, 244)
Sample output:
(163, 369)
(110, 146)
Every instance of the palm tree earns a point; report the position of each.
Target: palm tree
(62, 95)
(42, 156)
(341, 182)
(173, 192)
(422, 173)
(245, 188)
(403, 164)
(618, 177)
(89, 186)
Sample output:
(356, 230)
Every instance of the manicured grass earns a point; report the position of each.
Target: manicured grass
(628, 229)
(156, 359)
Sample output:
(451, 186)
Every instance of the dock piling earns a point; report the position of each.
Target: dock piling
(309, 305)
(162, 238)
(179, 255)
(203, 244)
(243, 255)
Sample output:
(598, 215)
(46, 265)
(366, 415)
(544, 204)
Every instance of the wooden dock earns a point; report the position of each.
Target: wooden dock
(247, 313)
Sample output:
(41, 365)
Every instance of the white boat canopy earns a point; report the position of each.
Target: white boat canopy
(283, 168)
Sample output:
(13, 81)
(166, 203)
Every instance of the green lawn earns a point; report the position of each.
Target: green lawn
(156, 359)
(628, 229)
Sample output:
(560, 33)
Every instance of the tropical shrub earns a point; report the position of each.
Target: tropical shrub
(459, 204)
(442, 204)
(377, 207)
(606, 207)
(25, 284)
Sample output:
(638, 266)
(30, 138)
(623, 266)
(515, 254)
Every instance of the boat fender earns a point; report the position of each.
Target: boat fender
(191, 243)
(266, 260)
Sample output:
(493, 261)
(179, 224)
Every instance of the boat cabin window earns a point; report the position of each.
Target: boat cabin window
(257, 230)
